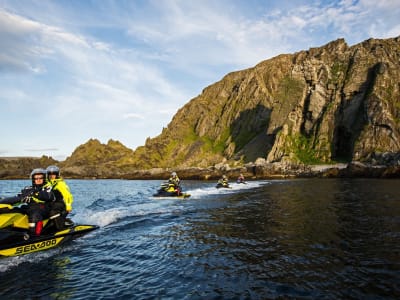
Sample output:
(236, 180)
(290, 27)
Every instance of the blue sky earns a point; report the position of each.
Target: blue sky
(71, 70)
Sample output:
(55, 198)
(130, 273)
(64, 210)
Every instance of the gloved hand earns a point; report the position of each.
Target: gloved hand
(26, 199)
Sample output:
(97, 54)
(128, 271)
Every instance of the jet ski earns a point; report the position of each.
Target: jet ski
(170, 190)
(222, 185)
(16, 240)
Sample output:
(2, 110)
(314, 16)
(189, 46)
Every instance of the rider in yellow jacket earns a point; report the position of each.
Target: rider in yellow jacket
(223, 181)
(63, 205)
(174, 184)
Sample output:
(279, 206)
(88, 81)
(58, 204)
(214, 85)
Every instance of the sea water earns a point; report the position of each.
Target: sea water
(301, 239)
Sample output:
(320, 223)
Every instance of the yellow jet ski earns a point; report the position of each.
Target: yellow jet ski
(170, 190)
(15, 238)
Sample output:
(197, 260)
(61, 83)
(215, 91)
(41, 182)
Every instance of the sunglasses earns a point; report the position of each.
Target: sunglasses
(38, 178)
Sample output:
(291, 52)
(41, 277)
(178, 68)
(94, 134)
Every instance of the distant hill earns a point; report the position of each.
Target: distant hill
(21, 167)
(326, 105)
(96, 160)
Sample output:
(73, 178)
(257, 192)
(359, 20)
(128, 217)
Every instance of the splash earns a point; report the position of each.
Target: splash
(211, 190)
(113, 215)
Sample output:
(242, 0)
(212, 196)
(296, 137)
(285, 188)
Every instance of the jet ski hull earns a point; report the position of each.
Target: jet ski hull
(171, 195)
(14, 243)
(222, 186)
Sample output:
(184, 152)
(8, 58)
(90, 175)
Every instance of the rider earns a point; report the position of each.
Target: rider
(38, 199)
(63, 204)
(175, 181)
(223, 180)
(240, 178)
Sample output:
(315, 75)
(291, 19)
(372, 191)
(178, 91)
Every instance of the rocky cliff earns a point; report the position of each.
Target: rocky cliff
(329, 104)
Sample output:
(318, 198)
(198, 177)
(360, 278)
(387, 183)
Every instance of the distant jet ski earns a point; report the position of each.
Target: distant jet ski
(170, 190)
(16, 240)
(223, 185)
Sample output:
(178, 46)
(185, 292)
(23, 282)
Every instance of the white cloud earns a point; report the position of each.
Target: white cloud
(133, 116)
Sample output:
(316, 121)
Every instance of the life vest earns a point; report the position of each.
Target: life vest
(59, 184)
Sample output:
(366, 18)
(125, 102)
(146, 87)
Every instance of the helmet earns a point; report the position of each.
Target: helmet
(173, 174)
(53, 170)
(224, 176)
(38, 171)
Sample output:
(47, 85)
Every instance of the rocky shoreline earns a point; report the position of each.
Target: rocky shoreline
(254, 171)
(260, 169)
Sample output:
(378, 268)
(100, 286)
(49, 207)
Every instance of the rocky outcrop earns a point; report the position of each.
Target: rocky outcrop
(96, 160)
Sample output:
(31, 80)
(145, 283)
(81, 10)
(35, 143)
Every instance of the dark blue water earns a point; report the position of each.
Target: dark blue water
(301, 239)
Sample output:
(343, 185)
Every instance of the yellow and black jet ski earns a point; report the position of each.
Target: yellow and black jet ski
(223, 185)
(15, 238)
(170, 190)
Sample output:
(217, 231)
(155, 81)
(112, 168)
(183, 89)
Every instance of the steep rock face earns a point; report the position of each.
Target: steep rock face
(332, 103)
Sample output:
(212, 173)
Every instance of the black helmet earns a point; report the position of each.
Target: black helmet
(36, 172)
(53, 170)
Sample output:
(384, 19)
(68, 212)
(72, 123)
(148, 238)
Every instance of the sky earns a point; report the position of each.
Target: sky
(72, 70)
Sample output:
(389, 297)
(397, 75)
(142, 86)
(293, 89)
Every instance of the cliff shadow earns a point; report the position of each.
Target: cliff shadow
(351, 118)
(249, 133)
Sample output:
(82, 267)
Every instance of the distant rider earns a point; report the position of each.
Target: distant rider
(223, 181)
(38, 199)
(63, 204)
(175, 181)
(240, 179)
